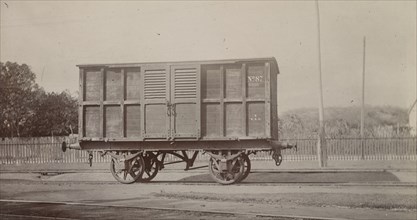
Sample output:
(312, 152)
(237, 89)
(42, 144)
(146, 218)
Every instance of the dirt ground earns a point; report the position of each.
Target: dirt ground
(351, 202)
(354, 193)
(340, 201)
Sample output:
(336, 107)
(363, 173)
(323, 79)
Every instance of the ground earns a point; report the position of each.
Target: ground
(384, 192)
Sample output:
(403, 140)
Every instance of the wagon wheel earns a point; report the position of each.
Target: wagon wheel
(229, 176)
(127, 171)
(246, 167)
(152, 167)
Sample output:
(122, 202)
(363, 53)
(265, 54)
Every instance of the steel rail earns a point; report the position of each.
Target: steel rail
(7, 216)
(203, 183)
(204, 166)
(177, 209)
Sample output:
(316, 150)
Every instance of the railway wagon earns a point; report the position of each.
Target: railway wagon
(140, 112)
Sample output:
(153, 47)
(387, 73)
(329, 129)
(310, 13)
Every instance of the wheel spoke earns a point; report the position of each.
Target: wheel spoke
(216, 164)
(132, 174)
(234, 162)
(124, 174)
(219, 175)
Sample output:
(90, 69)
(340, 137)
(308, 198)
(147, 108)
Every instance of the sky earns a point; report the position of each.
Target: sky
(53, 37)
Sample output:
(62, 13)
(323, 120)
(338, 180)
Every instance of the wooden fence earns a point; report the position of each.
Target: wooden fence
(48, 150)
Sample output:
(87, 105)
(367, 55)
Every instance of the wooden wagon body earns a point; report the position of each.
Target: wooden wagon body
(196, 105)
(139, 112)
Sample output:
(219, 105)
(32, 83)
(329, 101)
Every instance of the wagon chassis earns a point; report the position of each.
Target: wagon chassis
(140, 163)
(225, 166)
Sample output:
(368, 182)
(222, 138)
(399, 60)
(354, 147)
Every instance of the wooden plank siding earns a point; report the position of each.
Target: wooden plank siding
(48, 150)
(202, 100)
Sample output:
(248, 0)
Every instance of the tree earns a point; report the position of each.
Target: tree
(17, 86)
(27, 110)
(56, 114)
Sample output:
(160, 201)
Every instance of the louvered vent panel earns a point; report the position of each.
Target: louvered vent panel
(186, 83)
(155, 84)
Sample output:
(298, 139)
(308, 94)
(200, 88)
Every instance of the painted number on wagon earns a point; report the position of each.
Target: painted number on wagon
(255, 118)
(255, 79)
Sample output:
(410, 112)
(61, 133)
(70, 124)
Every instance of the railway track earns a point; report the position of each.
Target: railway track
(62, 171)
(344, 178)
(173, 183)
(191, 200)
(12, 209)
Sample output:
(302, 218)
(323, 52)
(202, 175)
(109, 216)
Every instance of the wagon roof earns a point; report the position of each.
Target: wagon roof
(226, 61)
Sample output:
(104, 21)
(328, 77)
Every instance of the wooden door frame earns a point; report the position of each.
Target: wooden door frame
(196, 101)
(146, 102)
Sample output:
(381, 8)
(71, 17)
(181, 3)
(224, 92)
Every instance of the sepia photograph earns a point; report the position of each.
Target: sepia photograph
(289, 110)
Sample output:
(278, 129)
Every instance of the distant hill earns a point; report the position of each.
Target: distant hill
(344, 122)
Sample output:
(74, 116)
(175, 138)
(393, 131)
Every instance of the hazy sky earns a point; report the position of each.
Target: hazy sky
(52, 37)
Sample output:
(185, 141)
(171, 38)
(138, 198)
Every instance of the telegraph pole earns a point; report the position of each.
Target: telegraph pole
(363, 101)
(321, 143)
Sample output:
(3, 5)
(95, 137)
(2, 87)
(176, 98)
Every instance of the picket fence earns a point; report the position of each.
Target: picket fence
(48, 150)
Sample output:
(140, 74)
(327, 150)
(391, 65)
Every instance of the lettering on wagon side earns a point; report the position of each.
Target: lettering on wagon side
(255, 79)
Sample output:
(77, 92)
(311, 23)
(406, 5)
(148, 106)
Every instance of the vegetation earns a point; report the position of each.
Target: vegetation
(384, 121)
(27, 110)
